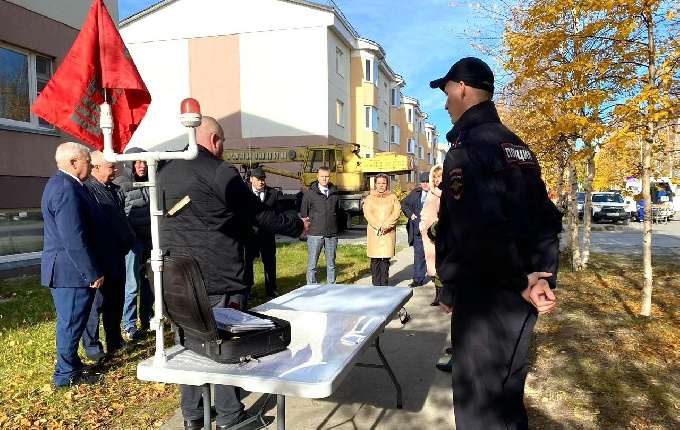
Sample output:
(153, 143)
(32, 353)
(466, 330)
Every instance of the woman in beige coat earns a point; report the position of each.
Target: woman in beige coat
(381, 210)
(428, 216)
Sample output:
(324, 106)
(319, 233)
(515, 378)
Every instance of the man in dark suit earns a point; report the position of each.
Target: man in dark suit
(69, 263)
(108, 299)
(411, 205)
(264, 242)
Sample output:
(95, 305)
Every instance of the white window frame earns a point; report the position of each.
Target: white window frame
(371, 118)
(421, 152)
(429, 158)
(370, 70)
(394, 134)
(411, 145)
(339, 66)
(395, 97)
(34, 121)
(409, 115)
(340, 113)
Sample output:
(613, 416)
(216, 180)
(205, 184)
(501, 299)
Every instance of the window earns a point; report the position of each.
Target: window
(409, 177)
(340, 113)
(429, 158)
(409, 115)
(22, 76)
(371, 118)
(395, 97)
(410, 145)
(338, 61)
(394, 134)
(421, 153)
(370, 71)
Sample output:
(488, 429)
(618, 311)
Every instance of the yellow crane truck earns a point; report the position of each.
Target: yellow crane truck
(350, 173)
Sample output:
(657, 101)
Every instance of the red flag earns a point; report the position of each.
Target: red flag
(98, 59)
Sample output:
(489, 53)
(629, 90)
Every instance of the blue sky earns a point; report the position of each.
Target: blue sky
(421, 39)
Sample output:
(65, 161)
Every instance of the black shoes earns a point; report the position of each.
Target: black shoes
(445, 367)
(415, 284)
(273, 294)
(242, 419)
(197, 424)
(449, 350)
(82, 378)
(99, 357)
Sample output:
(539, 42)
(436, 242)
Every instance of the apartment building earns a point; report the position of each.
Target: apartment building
(34, 37)
(297, 75)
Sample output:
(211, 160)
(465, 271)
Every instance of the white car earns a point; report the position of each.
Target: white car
(609, 206)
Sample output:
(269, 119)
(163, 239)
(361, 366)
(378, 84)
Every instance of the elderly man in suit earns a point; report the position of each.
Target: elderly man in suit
(264, 242)
(108, 301)
(70, 266)
(411, 205)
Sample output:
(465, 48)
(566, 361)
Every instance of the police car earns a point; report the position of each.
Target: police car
(609, 206)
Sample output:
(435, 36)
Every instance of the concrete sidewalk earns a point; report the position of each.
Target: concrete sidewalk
(367, 398)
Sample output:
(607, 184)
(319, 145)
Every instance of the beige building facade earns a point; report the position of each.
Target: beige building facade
(298, 75)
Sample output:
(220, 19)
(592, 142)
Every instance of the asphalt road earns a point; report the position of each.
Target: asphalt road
(627, 239)
(606, 238)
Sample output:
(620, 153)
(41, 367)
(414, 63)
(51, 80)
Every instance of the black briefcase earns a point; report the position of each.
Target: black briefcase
(186, 304)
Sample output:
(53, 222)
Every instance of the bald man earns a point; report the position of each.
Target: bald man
(213, 228)
(72, 259)
(108, 301)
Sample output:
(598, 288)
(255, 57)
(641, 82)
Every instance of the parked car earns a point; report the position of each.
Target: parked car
(609, 206)
(580, 199)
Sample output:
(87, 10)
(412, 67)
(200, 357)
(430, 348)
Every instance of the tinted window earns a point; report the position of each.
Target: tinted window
(580, 197)
(607, 198)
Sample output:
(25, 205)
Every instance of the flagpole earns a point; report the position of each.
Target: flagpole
(190, 117)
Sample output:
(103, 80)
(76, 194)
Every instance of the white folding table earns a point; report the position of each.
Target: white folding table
(331, 327)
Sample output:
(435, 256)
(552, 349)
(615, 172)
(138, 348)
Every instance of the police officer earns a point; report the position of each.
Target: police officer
(497, 252)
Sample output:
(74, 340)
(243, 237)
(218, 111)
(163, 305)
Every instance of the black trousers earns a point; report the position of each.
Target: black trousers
(265, 248)
(380, 271)
(227, 399)
(108, 303)
(490, 334)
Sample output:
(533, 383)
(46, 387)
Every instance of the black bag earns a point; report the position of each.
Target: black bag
(186, 304)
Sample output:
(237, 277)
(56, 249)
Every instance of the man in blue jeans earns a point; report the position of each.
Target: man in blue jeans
(321, 204)
(411, 205)
(137, 211)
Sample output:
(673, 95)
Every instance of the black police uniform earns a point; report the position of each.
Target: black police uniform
(496, 225)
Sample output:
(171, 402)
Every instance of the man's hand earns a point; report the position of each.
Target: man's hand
(446, 308)
(535, 276)
(97, 283)
(305, 230)
(413, 216)
(541, 296)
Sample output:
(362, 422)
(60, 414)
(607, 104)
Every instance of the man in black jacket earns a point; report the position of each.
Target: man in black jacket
(108, 300)
(321, 204)
(497, 252)
(213, 227)
(137, 210)
(263, 243)
(411, 205)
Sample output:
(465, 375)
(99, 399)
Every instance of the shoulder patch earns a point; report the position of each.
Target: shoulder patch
(517, 154)
(456, 183)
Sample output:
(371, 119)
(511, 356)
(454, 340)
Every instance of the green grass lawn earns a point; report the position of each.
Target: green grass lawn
(27, 323)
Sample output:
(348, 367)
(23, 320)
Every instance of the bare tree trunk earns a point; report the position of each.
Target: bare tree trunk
(572, 211)
(562, 156)
(646, 299)
(587, 203)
